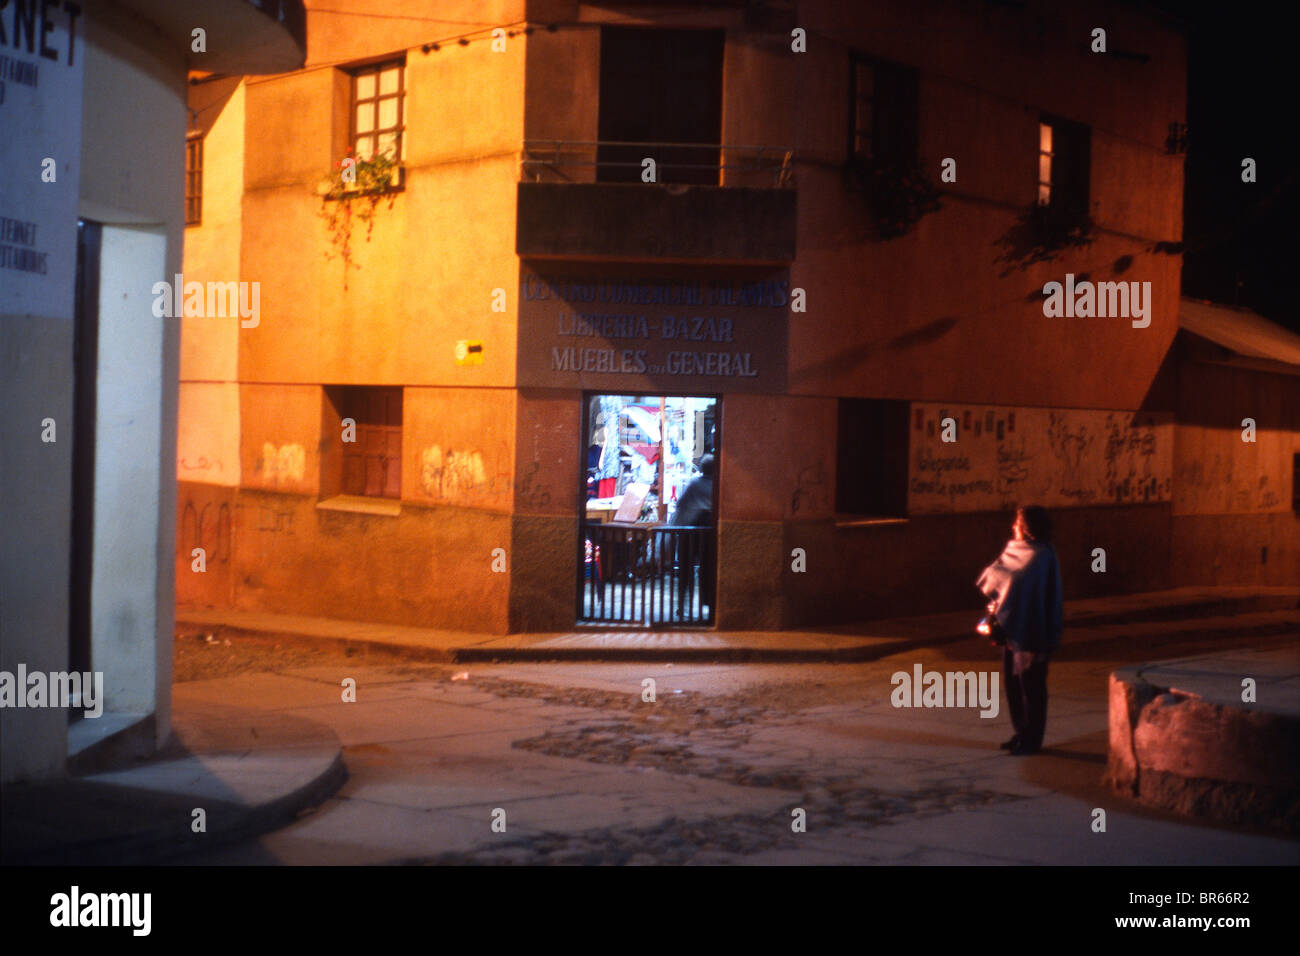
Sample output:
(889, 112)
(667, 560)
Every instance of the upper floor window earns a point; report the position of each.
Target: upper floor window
(884, 104)
(1063, 165)
(378, 91)
(660, 92)
(194, 179)
(1044, 164)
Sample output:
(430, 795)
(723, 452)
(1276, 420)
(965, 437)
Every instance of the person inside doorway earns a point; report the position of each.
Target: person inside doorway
(695, 504)
(695, 510)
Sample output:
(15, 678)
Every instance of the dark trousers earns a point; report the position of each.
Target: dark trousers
(1027, 699)
(696, 551)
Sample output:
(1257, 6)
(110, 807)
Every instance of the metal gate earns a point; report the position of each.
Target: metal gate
(647, 575)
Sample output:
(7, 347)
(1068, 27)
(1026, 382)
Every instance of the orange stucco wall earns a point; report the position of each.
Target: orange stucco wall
(929, 317)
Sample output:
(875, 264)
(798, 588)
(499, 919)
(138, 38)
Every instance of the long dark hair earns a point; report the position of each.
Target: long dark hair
(1038, 523)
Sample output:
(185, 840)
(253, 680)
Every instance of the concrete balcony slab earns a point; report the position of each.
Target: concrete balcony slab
(648, 222)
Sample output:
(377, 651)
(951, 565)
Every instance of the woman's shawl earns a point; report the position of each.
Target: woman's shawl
(1024, 586)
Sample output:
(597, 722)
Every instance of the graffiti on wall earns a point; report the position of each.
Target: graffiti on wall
(458, 474)
(812, 489)
(201, 463)
(1055, 457)
(1222, 484)
(207, 527)
(274, 520)
(286, 463)
(451, 473)
(531, 492)
(465, 475)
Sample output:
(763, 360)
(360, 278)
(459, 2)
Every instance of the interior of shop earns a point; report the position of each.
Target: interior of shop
(643, 452)
(650, 493)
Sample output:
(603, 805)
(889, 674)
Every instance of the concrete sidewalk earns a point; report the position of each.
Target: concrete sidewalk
(253, 770)
(1190, 608)
(589, 773)
(250, 772)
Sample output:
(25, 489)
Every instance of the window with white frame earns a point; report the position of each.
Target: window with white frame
(378, 121)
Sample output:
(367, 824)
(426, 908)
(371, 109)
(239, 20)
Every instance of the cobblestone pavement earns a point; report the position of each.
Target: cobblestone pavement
(691, 734)
(729, 763)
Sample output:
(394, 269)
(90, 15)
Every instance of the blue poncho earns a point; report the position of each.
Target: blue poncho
(1024, 587)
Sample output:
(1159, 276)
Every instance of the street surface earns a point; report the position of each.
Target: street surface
(714, 770)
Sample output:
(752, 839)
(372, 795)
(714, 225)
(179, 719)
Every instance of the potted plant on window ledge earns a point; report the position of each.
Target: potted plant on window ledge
(898, 194)
(351, 194)
(1041, 233)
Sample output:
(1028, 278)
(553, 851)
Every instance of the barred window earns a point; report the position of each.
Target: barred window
(378, 94)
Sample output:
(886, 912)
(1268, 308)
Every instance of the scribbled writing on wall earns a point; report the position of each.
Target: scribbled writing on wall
(201, 463)
(1131, 461)
(1055, 457)
(953, 475)
(811, 490)
(274, 520)
(283, 464)
(209, 528)
(1220, 483)
(531, 492)
(457, 474)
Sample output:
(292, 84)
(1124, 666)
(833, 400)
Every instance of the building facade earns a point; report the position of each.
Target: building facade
(814, 240)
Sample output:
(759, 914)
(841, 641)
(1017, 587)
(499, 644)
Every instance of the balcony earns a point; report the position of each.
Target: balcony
(241, 36)
(711, 203)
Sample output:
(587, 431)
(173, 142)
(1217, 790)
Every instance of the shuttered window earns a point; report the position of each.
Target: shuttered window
(372, 464)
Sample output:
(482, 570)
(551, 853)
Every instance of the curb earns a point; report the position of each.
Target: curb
(1201, 758)
(541, 654)
(414, 652)
(699, 655)
(870, 650)
(160, 844)
(1210, 607)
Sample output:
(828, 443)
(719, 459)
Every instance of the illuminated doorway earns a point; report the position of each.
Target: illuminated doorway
(649, 522)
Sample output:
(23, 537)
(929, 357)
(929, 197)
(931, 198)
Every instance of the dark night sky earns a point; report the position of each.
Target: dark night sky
(1241, 102)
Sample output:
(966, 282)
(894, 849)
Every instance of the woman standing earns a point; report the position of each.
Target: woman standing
(1024, 590)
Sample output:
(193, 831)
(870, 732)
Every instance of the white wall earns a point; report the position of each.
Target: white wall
(132, 124)
(36, 383)
(133, 134)
(128, 465)
(36, 488)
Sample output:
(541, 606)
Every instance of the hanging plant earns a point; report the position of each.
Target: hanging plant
(350, 195)
(1041, 233)
(898, 194)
